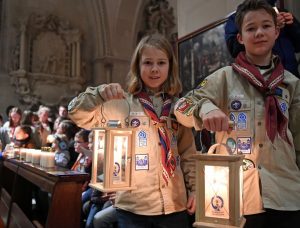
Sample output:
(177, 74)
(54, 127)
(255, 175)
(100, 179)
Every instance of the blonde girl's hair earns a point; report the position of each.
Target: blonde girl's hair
(172, 85)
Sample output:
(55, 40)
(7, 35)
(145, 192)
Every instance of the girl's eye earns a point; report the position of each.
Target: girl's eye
(161, 63)
(147, 62)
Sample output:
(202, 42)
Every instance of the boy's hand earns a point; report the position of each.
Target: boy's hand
(215, 120)
(112, 91)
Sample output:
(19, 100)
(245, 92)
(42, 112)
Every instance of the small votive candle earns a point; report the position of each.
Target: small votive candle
(47, 159)
(23, 152)
(36, 155)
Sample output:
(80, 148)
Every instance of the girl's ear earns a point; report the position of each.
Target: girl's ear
(239, 38)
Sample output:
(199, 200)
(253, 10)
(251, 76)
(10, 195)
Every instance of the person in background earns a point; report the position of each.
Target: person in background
(263, 101)
(164, 148)
(45, 127)
(286, 46)
(69, 128)
(84, 159)
(8, 129)
(60, 147)
(23, 137)
(63, 111)
(28, 119)
(1, 120)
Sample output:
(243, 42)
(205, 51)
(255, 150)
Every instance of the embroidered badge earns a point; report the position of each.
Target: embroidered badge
(248, 164)
(142, 138)
(278, 92)
(141, 162)
(135, 122)
(202, 84)
(283, 107)
(236, 104)
(232, 144)
(244, 145)
(242, 121)
(185, 106)
(232, 118)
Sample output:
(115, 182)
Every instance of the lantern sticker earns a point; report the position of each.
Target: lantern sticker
(116, 169)
(217, 203)
(141, 162)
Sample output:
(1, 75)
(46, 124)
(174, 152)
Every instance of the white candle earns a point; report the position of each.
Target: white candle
(36, 155)
(47, 159)
(28, 157)
(23, 152)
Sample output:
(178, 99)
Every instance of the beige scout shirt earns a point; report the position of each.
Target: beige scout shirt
(152, 196)
(274, 166)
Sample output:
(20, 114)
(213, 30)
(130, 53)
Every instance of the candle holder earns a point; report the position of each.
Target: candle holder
(219, 187)
(113, 154)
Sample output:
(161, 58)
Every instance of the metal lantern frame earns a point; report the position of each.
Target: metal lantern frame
(105, 150)
(207, 215)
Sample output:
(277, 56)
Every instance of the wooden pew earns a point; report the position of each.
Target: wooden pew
(63, 185)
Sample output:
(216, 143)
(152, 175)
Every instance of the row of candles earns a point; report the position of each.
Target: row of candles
(43, 157)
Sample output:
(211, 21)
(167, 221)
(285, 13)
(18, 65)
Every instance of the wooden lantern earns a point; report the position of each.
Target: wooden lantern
(113, 163)
(219, 187)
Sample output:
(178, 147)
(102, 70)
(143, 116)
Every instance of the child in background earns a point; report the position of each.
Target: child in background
(263, 100)
(60, 147)
(23, 137)
(84, 159)
(165, 179)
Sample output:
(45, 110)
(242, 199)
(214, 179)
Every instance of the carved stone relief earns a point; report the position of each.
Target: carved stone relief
(46, 61)
(159, 18)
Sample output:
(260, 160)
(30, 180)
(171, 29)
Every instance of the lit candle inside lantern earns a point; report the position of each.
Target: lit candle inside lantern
(47, 159)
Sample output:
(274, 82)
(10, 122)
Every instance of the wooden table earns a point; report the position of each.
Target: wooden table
(19, 179)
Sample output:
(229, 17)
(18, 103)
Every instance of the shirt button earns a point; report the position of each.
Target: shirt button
(260, 145)
(159, 143)
(259, 103)
(259, 123)
(259, 167)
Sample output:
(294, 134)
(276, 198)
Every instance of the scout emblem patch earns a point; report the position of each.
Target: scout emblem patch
(185, 106)
(202, 84)
(248, 164)
(244, 145)
(141, 162)
(231, 144)
(142, 138)
(135, 122)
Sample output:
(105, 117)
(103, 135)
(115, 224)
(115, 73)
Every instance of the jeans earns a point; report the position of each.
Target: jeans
(106, 218)
(130, 220)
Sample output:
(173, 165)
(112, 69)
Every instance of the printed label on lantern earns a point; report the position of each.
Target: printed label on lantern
(141, 162)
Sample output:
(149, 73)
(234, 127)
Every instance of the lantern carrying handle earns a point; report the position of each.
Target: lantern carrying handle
(214, 146)
(103, 120)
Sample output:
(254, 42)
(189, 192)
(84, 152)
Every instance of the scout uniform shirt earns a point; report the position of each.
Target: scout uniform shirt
(271, 174)
(152, 196)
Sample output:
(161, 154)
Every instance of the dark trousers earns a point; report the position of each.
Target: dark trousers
(273, 219)
(129, 220)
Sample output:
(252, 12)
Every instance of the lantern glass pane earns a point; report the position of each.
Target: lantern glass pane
(216, 191)
(100, 147)
(241, 190)
(120, 158)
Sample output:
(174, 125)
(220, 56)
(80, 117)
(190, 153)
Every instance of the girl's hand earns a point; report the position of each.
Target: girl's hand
(112, 91)
(191, 204)
(215, 120)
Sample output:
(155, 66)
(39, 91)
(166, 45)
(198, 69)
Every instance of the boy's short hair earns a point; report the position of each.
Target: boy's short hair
(84, 134)
(253, 5)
